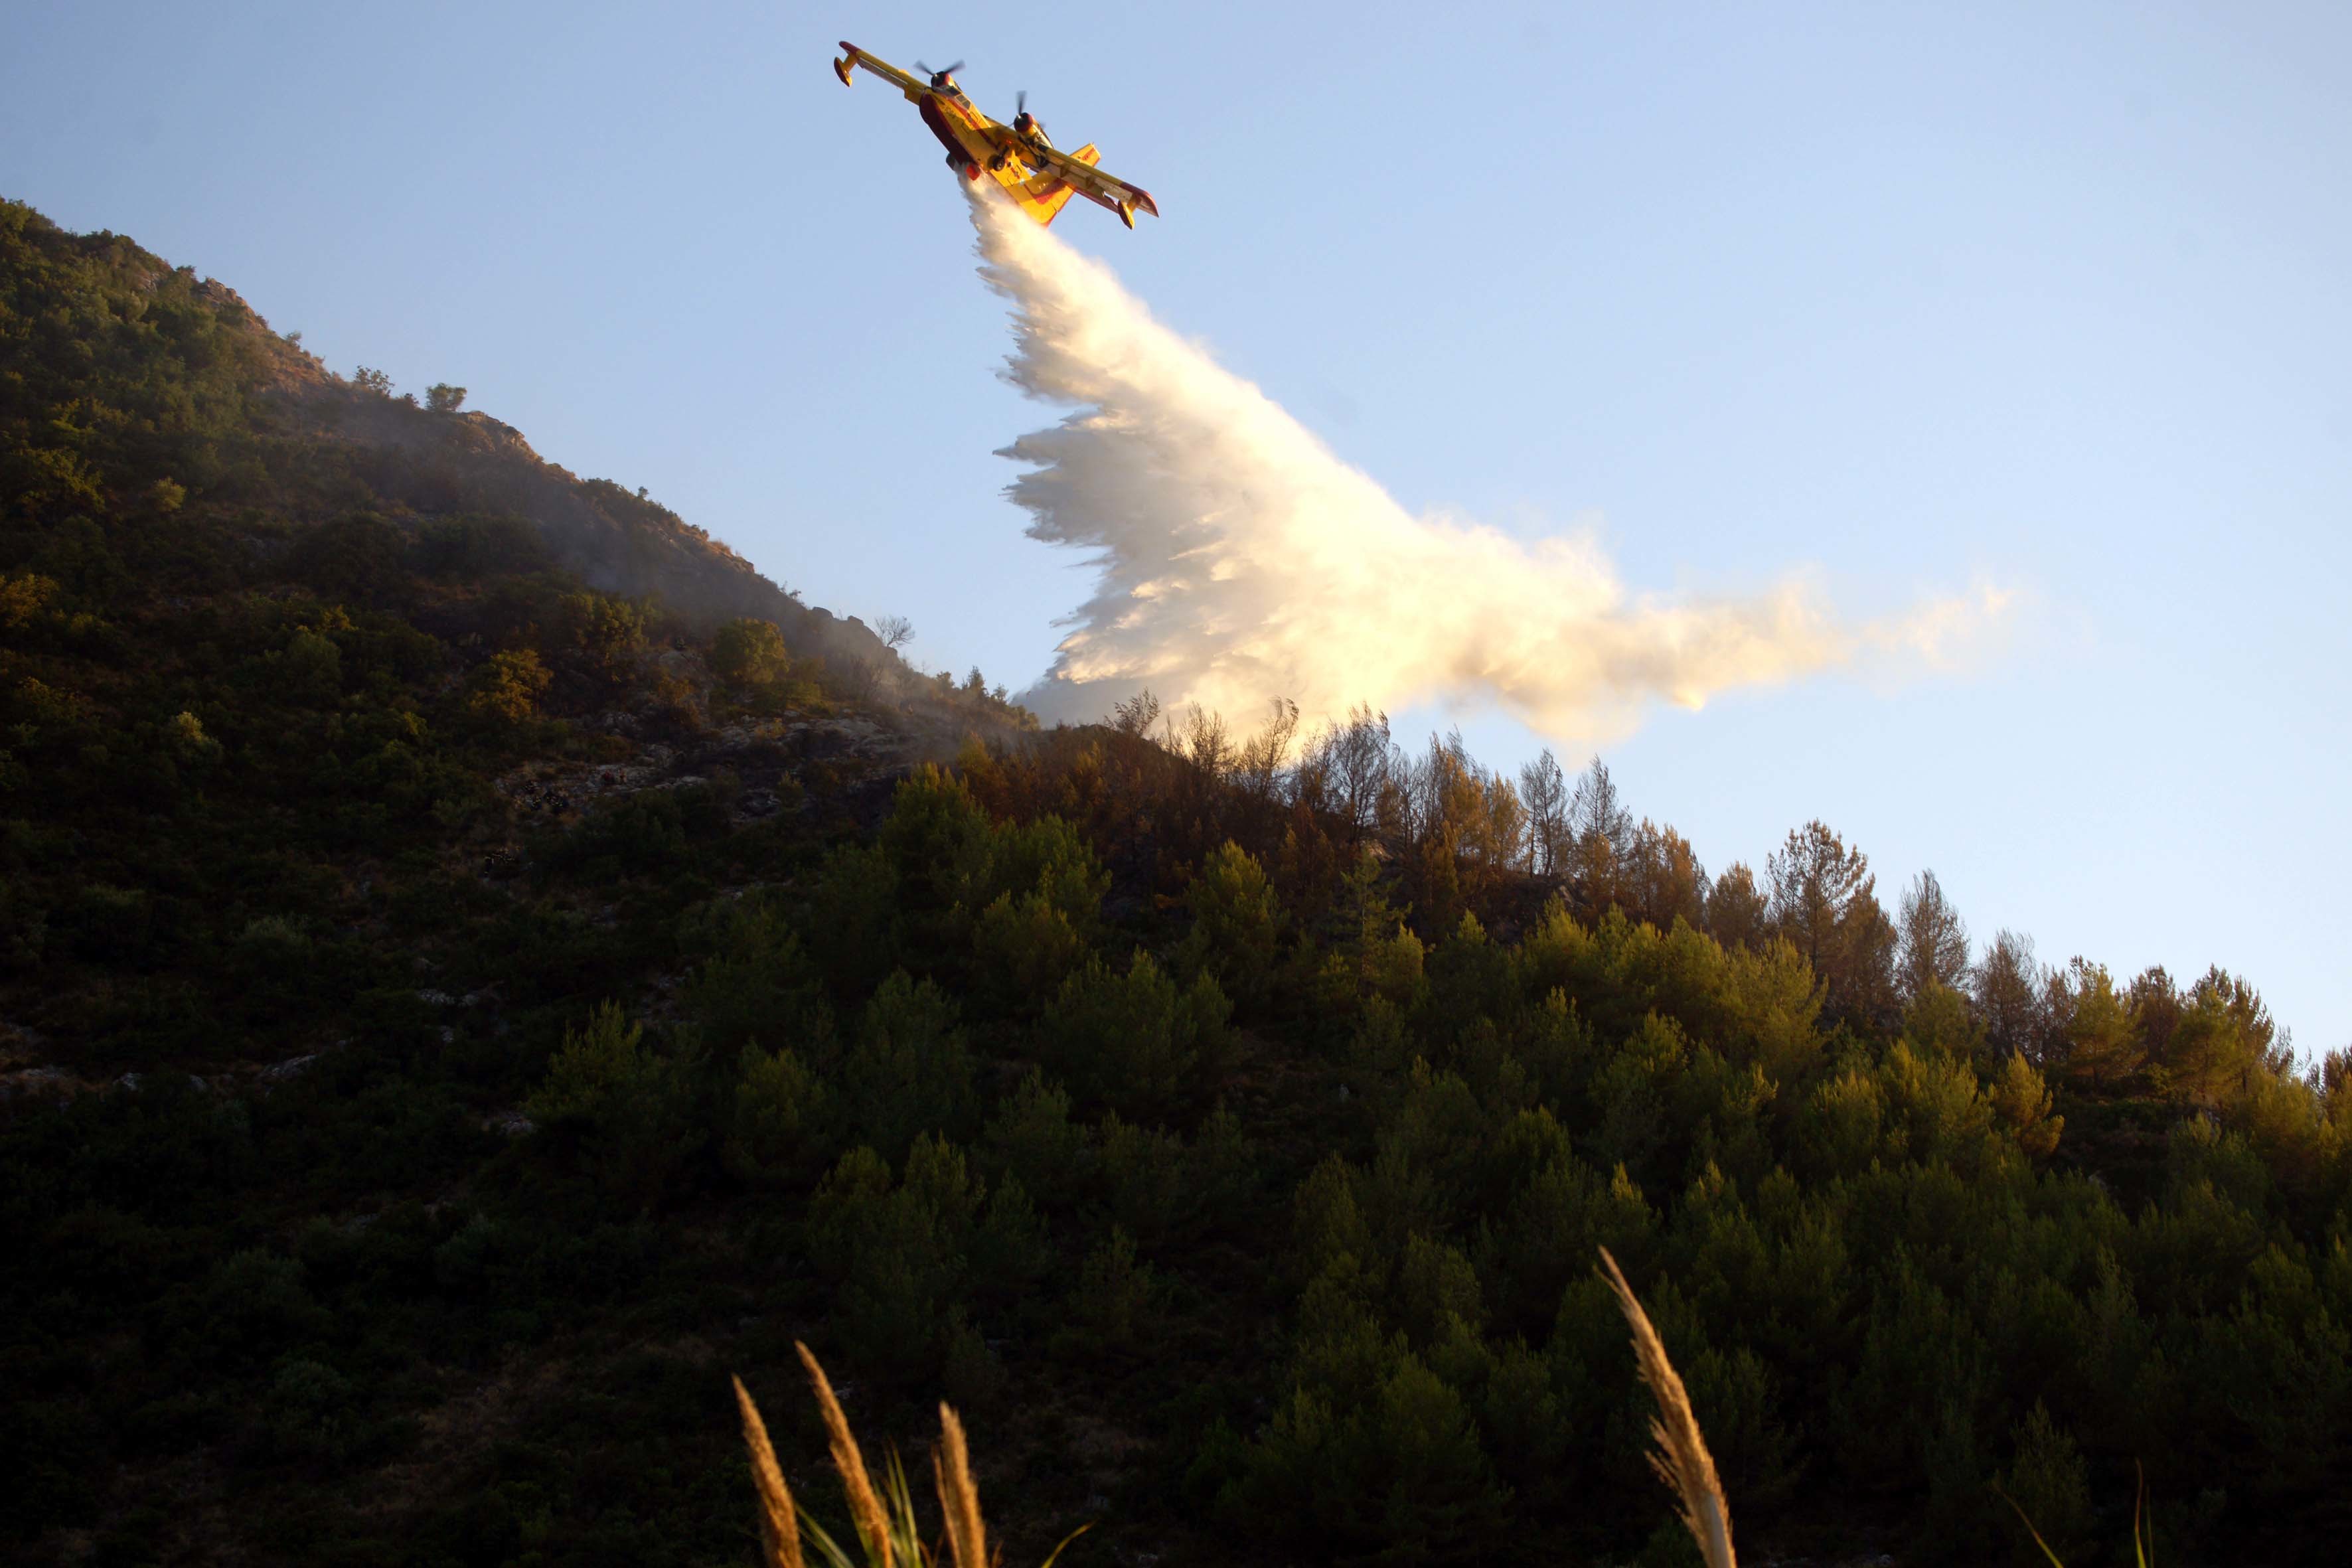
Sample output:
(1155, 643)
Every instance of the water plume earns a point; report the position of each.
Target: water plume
(1237, 559)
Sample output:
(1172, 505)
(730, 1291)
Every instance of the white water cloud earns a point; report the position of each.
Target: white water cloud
(1239, 560)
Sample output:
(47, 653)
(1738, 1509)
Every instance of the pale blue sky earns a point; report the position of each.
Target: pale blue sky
(2059, 296)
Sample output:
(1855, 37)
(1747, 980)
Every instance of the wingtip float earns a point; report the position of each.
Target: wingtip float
(1039, 177)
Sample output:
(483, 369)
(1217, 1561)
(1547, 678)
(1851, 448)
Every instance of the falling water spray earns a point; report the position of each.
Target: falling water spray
(1237, 559)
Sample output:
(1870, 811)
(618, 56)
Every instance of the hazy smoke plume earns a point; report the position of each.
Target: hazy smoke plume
(1241, 560)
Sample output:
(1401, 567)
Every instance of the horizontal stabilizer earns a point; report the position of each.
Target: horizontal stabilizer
(1044, 195)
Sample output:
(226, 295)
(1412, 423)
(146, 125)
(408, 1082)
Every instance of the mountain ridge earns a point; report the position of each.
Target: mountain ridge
(430, 459)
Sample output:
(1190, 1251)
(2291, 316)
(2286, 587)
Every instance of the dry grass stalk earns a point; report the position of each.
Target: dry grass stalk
(865, 1505)
(959, 1498)
(2054, 1562)
(2141, 1556)
(1681, 1458)
(780, 1531)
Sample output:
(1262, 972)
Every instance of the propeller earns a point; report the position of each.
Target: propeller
(935, 75)
(1020, 102)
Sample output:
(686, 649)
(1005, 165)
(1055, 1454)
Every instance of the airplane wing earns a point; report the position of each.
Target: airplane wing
(1092, 182)
(913, 87)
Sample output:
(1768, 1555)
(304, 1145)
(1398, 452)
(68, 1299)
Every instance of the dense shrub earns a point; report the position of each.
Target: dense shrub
(1136, 1040)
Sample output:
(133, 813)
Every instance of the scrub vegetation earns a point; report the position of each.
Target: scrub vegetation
(478, 967)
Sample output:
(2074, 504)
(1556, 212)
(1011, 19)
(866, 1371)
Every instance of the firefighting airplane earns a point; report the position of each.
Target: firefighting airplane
(1036, 173)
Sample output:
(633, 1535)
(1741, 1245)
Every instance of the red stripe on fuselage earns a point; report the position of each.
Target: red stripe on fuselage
(929, 109)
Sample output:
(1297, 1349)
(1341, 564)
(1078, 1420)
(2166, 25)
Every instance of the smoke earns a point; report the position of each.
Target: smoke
(1238, 560)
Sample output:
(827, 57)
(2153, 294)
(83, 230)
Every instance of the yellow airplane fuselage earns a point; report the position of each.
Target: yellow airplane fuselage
(978, 145)
(1035, 173)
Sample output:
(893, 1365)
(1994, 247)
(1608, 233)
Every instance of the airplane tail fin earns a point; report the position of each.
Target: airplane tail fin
(1045, 194)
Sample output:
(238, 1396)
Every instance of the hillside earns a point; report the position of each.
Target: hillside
(479, 965)
(271, 630)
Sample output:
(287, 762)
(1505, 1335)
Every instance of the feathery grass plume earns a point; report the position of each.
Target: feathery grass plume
(887, 1526)
(959, 1498)
(1681, 1458)
(780, 1535)
(864, 1507)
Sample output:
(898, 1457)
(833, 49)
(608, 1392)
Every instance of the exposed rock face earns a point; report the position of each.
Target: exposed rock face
(774, 760)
